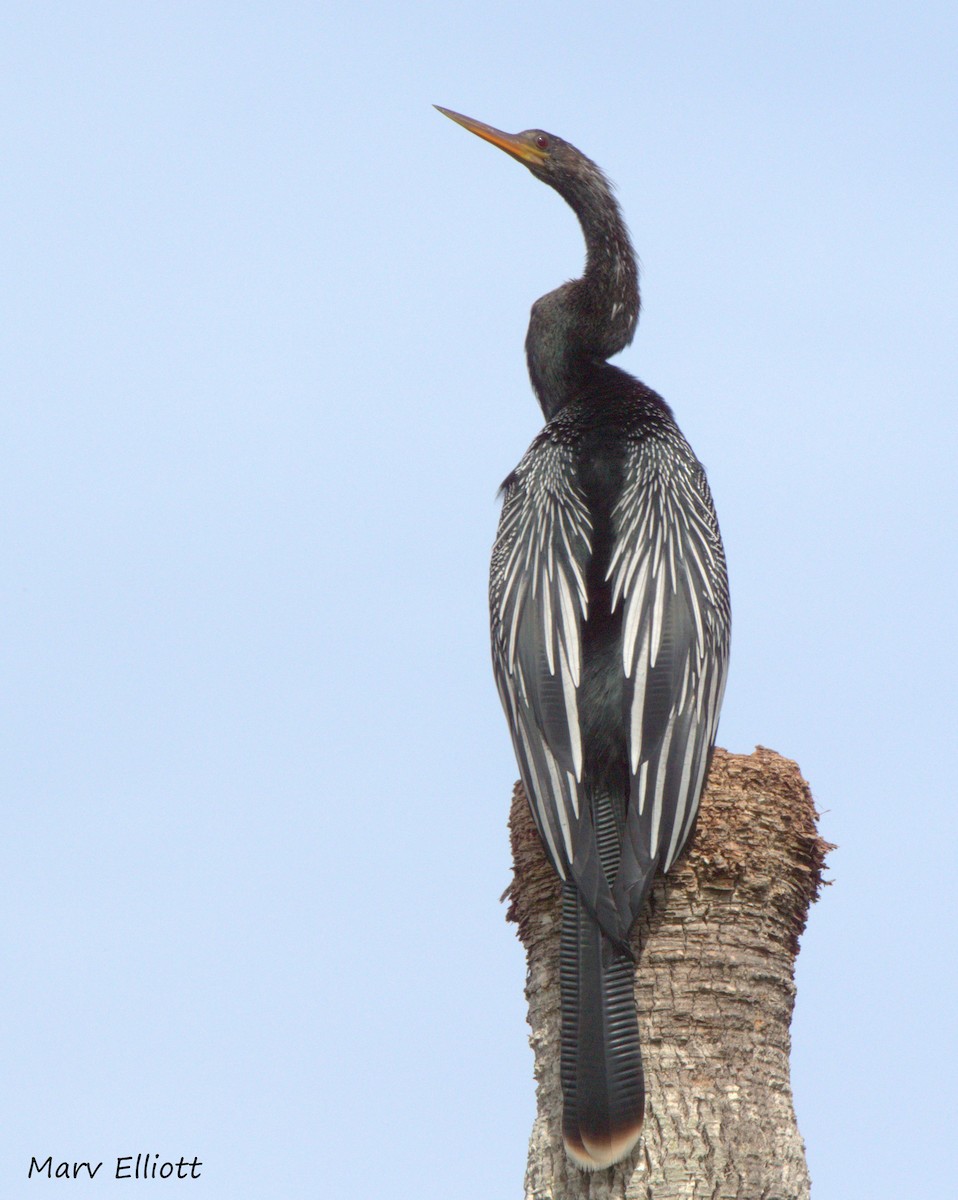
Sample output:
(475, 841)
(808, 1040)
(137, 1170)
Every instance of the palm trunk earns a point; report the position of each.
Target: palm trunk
(715, 990)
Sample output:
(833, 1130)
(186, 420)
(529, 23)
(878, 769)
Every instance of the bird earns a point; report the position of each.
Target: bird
(610, 622)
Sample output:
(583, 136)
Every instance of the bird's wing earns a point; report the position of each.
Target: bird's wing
(538, 603)
(667, 572)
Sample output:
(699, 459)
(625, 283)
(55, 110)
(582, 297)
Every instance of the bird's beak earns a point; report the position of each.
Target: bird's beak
(513, 143)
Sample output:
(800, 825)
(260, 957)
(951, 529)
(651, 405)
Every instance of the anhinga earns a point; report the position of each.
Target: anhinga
(610, 631)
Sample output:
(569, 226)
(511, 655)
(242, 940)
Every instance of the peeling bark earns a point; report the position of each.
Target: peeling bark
(715, 991)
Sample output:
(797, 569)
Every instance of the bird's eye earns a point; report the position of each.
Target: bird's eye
(542, 141)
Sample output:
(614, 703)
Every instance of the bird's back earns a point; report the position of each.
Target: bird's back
(613, 504)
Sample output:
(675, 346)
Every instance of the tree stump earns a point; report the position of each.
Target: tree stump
(715, 990)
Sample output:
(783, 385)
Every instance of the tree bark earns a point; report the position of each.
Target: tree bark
(715, 990)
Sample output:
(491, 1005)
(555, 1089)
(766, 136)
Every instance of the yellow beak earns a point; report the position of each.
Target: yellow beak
(516, 144)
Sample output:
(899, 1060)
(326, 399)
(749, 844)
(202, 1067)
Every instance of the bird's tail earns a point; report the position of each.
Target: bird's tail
(603, 1087)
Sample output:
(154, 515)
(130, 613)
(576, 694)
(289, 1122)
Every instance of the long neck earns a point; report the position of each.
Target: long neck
(586, 321)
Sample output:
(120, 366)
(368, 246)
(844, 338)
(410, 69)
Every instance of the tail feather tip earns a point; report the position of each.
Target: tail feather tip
(593, 1154)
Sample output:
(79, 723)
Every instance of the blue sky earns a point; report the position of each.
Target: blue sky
(263, 314)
